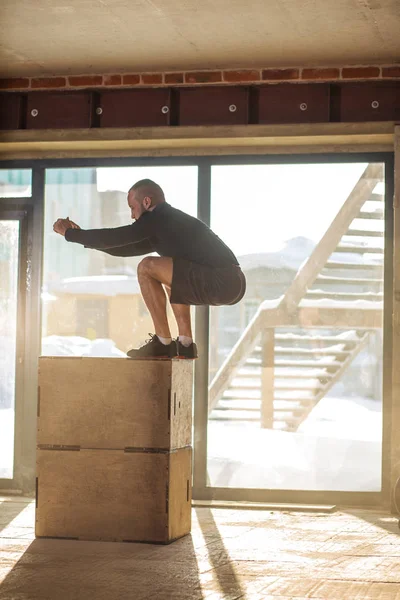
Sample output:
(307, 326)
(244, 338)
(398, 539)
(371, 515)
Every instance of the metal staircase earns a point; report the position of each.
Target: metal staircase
(307, 362)
(354, 271)
(306, 367)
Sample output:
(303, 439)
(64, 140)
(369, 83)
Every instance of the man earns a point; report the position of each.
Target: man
(195, 267)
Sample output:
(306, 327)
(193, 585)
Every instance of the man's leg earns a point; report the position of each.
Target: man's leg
(153, 272)
(185, 345)
(182, 316)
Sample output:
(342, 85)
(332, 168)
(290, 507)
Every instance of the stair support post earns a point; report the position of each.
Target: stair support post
(267, 377)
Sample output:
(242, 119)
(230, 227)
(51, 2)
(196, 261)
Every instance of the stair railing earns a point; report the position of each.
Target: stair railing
(312, 267)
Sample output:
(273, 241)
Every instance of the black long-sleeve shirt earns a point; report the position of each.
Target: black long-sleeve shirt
(165, 230)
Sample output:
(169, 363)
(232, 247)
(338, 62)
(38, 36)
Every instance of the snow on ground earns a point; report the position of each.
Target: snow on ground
(63, 345)
(337, 448)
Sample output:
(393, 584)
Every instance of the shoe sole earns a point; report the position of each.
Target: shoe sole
(161, 357)
(151, 357)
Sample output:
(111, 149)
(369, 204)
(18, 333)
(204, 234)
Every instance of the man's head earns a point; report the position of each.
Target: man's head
(144, 196)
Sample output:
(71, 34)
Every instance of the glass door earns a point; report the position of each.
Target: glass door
(12, 333)
(296, 368)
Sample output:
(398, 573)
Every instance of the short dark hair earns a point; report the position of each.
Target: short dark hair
(147, 187)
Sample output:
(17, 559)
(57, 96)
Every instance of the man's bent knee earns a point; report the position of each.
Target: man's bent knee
(156, 267)
(145, 266)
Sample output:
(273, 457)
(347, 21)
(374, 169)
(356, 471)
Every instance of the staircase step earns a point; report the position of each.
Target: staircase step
(336, 339)
(279, 395)
(277, 386)
(365, 214)
(247, 376)
(235, 385)
(308, 349)
(296, 398)
(328, 351)
(239, 416)
(308, 363)
(354, 296)
(284, 373)
(253, 362)
(299, 410)
(348, 280)
(237, 394)
(376, 198)
(285, 415)
(362, 266)
(255, 405)
(349, 249)
(239, 404)
(322, 375)
(364, 233)
(314, 387)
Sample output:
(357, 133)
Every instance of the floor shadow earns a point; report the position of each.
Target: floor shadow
(9, 510)
(382, 519)
(218, 556)
(53, 569)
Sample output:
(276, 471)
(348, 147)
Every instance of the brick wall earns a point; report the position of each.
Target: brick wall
(191, 78)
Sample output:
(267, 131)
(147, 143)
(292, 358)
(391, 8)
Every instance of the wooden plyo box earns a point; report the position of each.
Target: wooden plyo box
(114, 403)
(113, 449)
(112, 495)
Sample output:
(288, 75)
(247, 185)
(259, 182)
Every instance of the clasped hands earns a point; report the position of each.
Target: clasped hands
(61, 226)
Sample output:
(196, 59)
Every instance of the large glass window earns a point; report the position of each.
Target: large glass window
(92, 304)
(9, 266)
(15, 183)
(295, 369)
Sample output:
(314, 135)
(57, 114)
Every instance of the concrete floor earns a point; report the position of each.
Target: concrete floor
(231, 554)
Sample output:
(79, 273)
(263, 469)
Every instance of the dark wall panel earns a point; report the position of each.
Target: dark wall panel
(291, 103)
(213, 106)
(135, 108)
(369, 102)
(58, 110)
(223, 105)
(11, 111)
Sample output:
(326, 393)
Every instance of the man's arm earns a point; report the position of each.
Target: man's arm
(145, 246)
(138, 249)
(100, 239)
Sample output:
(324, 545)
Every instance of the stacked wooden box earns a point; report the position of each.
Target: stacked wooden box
(114, 449)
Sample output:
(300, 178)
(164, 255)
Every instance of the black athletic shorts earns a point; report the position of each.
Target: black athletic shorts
(198, 285)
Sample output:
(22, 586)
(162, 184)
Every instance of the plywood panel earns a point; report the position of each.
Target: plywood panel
(111, 495)
(114, 403)
(180, 493)
(181, 403)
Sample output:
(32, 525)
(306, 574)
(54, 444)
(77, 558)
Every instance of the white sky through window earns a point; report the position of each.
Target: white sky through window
(255, 208)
